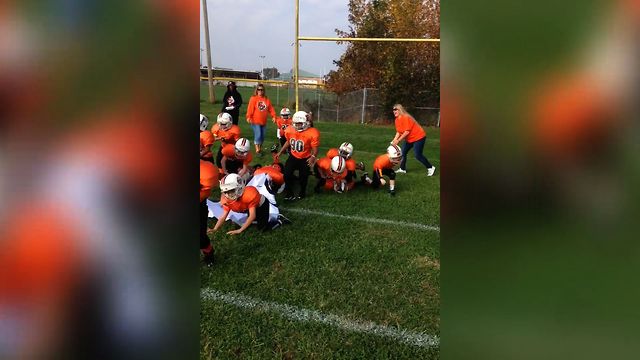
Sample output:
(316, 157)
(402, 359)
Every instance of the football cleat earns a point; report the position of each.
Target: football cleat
(431, 170)
(274, 149)
(392, 192)
(400, 171)
(360, 166)
(284, 219)
(209, 258)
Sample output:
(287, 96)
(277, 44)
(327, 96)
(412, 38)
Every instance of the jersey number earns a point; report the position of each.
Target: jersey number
(297, 145)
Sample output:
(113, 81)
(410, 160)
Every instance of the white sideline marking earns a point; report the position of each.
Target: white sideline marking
(365, 219)
(419, 339)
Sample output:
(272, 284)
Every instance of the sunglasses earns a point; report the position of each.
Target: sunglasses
(395, 109)
(260, 89)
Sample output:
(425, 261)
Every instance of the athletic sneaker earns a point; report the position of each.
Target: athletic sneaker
(392, 192)
(360, 166)
(431, 171)
(400, 171)
(289, 198)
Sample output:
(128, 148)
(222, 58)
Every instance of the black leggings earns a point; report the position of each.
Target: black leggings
(204, 216)
(293, 164)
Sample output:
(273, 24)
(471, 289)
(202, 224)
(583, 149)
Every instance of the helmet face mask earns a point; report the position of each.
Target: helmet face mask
(300, 121)
(285, 113)
(204, 122)
(224, 121)
(242, 148)
(338, 165)
(395, 154)
(346, 150)
(232, 186)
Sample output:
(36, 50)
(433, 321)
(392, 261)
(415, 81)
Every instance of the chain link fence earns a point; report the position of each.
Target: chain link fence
(361, 106)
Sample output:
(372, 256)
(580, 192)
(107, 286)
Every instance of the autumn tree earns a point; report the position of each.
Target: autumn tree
(405, 72)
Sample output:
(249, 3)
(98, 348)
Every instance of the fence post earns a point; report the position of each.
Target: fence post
(277, 94)
(438, 118)
(338, 110)
(364, 104)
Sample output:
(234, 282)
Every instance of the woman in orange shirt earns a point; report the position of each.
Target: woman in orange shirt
(408, 129)
(257, 110)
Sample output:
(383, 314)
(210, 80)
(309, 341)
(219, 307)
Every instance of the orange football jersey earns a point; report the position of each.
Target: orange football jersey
(276, 176)
(208, 179)
(282, 125)
(301, 142)
(230, 152)
(382, 162)
(258, 109)
(206, 139)
(226, 136)
(250, 198)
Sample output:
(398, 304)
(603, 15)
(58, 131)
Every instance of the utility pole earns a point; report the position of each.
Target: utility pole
(212, 96)
(262, 66)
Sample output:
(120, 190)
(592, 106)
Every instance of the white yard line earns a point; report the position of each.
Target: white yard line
(295, 313)
(365, 219)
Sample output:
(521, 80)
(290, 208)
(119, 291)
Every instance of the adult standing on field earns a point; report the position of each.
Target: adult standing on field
(257, 110)
(231, 102)
(408, 129)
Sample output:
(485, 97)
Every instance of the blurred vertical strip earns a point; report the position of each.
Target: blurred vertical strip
(98, 210)
(540, 178)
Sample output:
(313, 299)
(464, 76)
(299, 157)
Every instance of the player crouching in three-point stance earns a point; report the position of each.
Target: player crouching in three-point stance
(244, 199)
(303, 142)
(383, 166)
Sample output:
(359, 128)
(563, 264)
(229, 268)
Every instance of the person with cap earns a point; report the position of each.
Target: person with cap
(231, 102)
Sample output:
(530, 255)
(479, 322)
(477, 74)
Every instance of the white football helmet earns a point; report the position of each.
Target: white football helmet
(225, 121)
(346, 150)
(204, 122)
(232, 186)
(300, 122)
(242, 148)
(285, 113)
(395, 153)
(338, 165)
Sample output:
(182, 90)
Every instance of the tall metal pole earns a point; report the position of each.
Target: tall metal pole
(212, 96)
(297, 45)
(262, 66)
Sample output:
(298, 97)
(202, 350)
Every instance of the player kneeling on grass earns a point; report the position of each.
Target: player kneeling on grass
(236, 158)
(332, 174)
(208, 181)
(244, 199)
(383, 166)
(346, 152)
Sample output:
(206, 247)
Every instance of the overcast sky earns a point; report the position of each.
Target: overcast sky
(242, 30)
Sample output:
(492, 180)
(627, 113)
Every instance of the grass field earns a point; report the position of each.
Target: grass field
(313, 289)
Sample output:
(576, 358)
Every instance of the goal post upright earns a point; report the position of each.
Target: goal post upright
(336, 39)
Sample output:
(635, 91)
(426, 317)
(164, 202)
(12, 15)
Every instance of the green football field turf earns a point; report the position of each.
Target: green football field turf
(361, 285)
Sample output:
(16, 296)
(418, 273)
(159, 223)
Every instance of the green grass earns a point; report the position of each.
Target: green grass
(387, 274)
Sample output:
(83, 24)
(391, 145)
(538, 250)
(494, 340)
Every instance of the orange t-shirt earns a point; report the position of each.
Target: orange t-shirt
(230, 152)
(208, 179)
(226, 136)
(276, 176)
(206, 139)
(250, 198)
(405, 123)
(282, 125)
(382, 162)
(258, 109)
(302, 142)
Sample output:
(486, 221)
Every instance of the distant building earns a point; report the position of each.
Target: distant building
(304, 78)
(230, 73)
